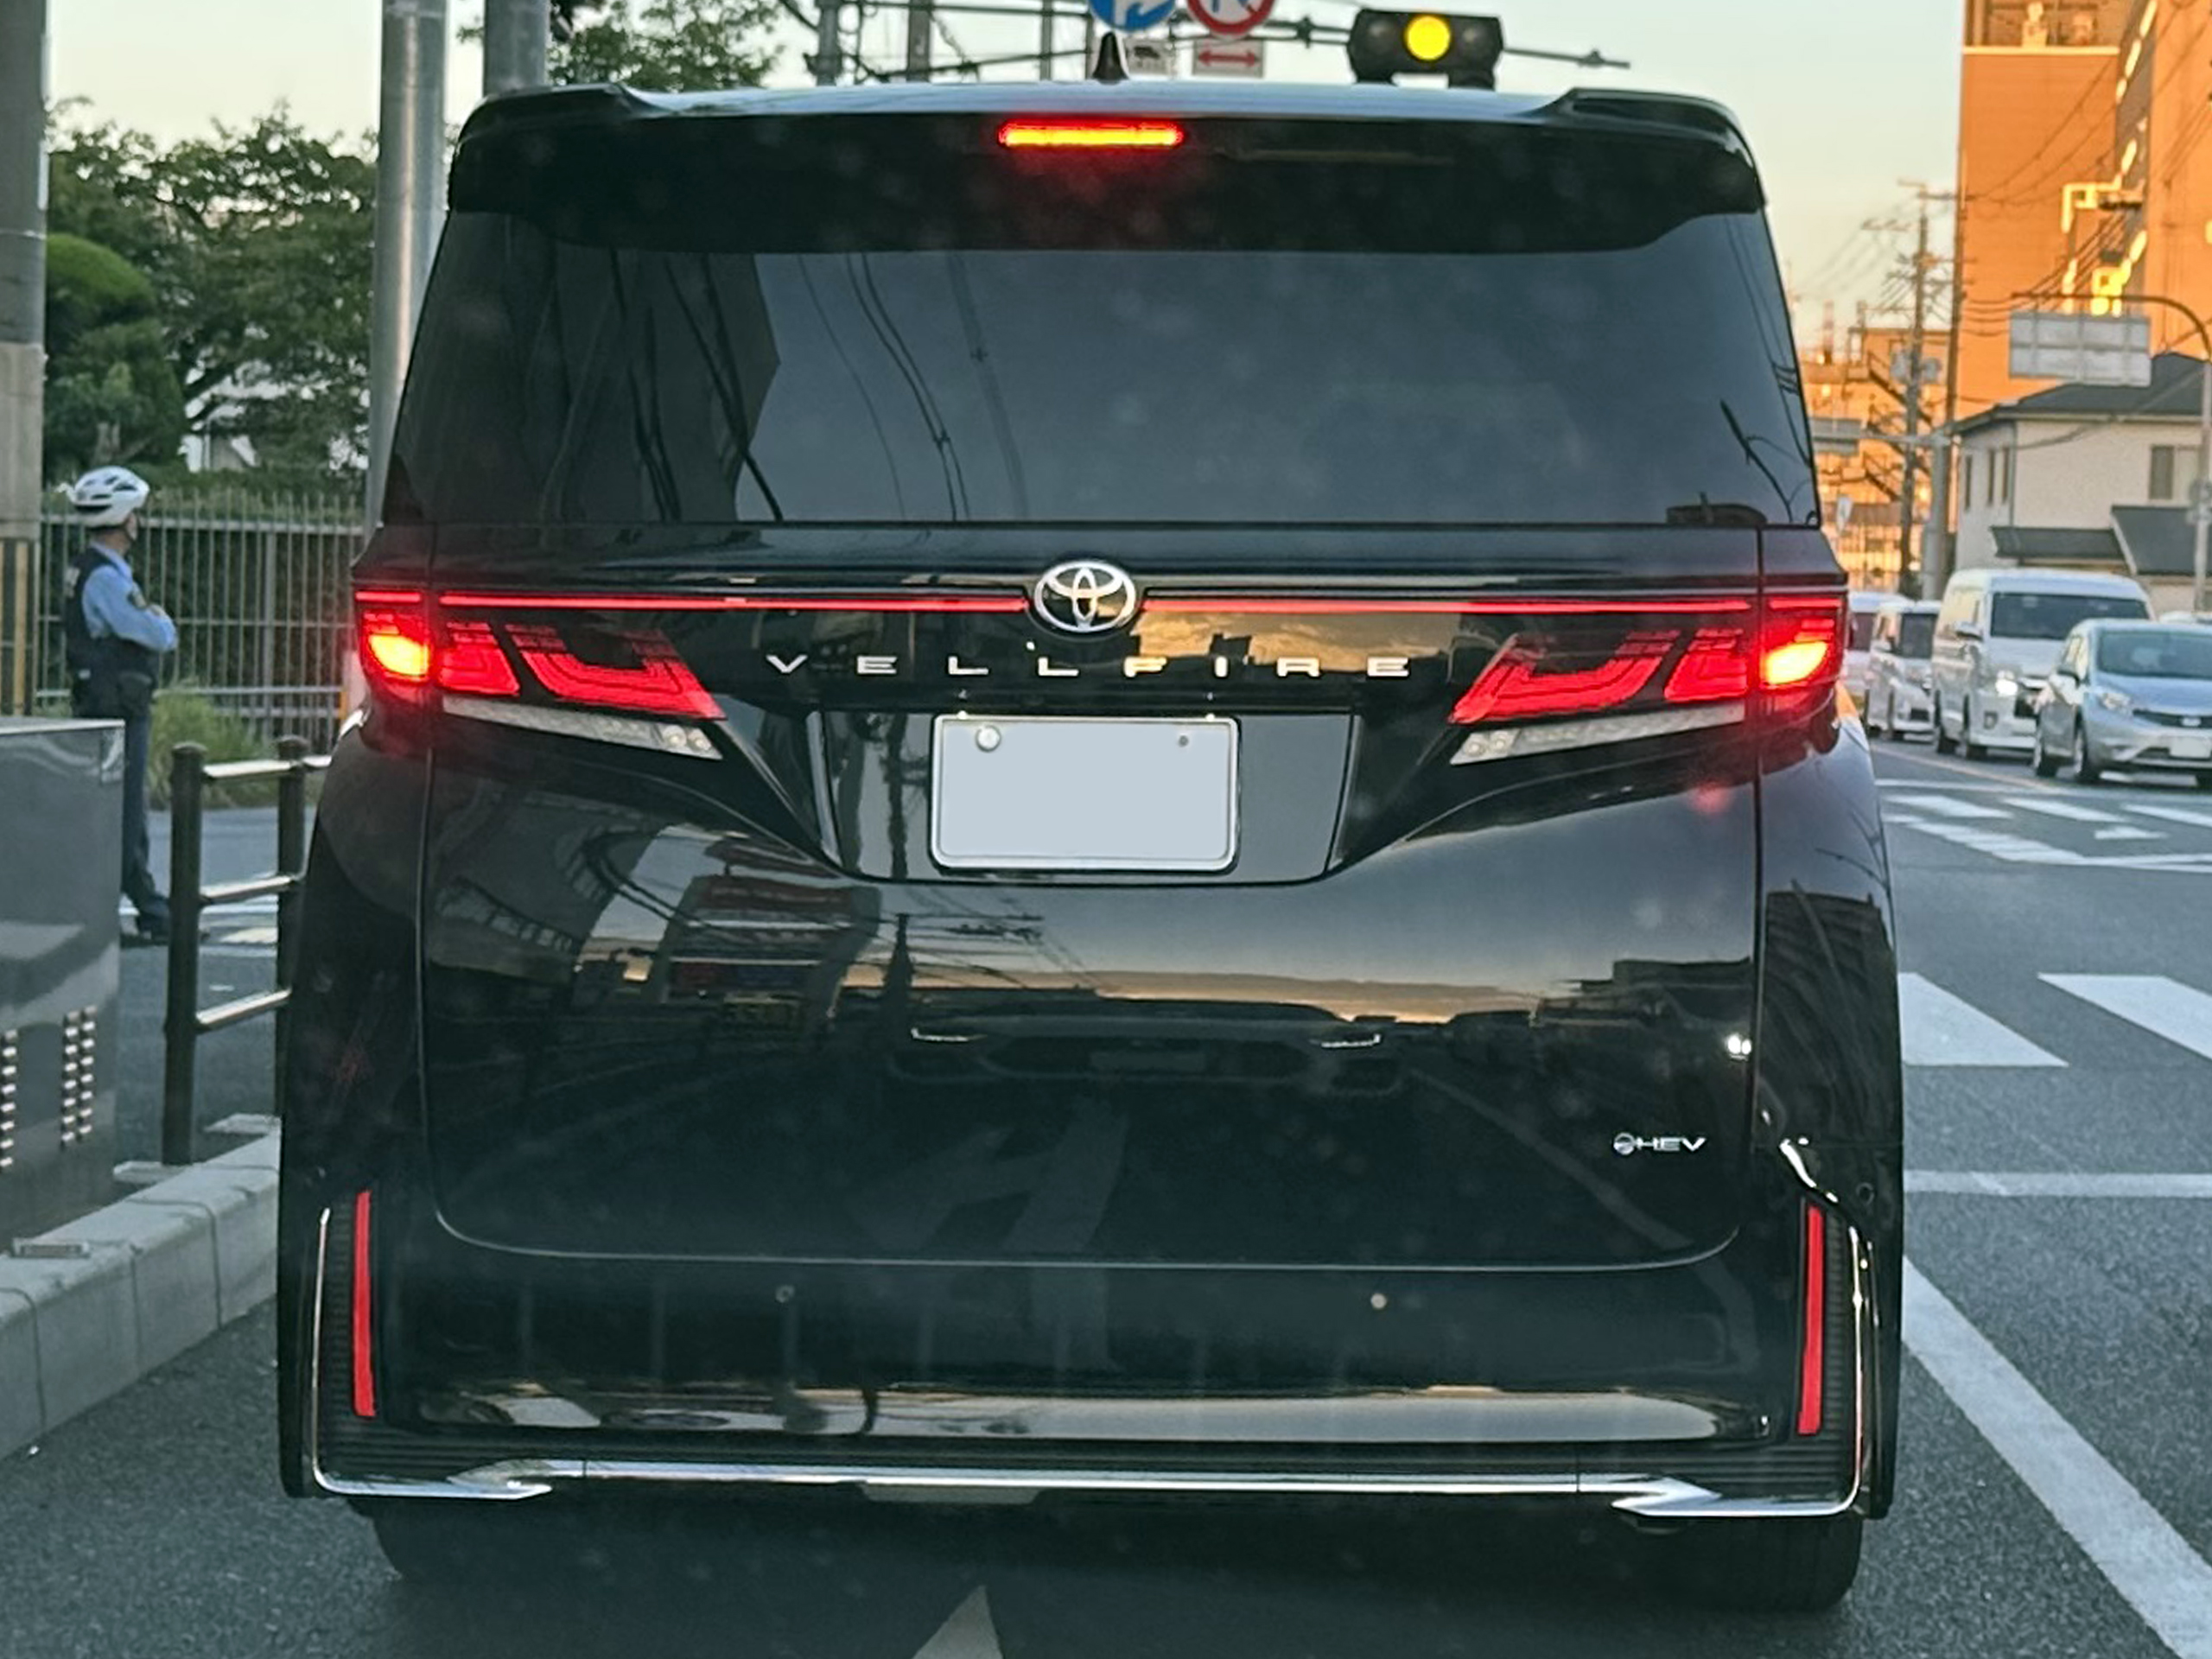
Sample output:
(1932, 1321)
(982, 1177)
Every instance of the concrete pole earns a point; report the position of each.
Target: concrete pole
(410, 202)
(22, 339)
(1916, 346)
(918, 16)
(1936, 553)
(1045, 41)
(515, 36)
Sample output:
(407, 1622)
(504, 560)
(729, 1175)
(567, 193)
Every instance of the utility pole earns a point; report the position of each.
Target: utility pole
(515, 36)
(1045, 22)
(829, 60)
(1936, 552)
(22, 339)
(410, 202)
(1915, 343)
(919, 19)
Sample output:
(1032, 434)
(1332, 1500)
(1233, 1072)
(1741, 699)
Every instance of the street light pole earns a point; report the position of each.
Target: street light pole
(515, 36)
(411, 199)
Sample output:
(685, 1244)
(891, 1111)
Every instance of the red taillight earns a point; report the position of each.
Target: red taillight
(1811, 1357)
(1792, 653)
(470, 660)
(394, 641)
(657, 682)
(365, 1371)
(1090, 134)
(1529, 681)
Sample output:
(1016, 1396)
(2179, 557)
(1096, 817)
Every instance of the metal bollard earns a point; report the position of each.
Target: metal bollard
(181, 1024)
(292, 861)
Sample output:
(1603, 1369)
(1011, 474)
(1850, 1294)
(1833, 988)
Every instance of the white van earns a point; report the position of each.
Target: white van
(1997, 639)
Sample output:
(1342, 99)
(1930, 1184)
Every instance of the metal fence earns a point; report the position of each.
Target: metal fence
(258, 584)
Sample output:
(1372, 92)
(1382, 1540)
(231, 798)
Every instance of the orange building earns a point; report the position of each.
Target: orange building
(2036, 116)
(2159, 240)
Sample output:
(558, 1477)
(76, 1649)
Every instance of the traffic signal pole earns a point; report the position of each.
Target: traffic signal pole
(410, 202)
(23, 337)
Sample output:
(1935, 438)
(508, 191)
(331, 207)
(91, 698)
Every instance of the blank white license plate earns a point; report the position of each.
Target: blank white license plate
(1041, 793)
(2192, 749)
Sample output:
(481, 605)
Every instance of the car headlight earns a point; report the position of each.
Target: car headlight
(2007, 686)
(2119, 701)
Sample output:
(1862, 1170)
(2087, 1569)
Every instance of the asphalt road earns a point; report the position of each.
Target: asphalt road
(2058, 1469)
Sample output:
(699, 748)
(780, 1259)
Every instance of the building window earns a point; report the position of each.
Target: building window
(2173, 471)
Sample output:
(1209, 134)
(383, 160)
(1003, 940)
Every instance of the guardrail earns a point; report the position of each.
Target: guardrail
(187, 1022)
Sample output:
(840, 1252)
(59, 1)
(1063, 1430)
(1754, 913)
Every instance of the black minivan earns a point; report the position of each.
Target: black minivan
(1088, 790)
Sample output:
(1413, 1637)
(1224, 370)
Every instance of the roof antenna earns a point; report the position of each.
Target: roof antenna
(1107, 66)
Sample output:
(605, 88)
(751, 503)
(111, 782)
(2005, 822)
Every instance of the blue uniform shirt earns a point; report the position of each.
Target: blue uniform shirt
(115, 608)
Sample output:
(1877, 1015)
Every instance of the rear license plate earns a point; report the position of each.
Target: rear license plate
(1041, 793)
(2192, 749)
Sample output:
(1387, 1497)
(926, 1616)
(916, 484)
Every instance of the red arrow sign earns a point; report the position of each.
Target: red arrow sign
(1227, 58)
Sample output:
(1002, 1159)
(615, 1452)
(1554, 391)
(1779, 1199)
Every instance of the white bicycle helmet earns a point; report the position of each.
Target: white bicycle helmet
(108, 495)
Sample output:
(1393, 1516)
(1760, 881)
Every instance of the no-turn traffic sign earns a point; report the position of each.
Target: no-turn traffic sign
(1232, 17)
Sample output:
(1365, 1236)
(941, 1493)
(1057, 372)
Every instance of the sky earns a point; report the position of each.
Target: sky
(1841, 103)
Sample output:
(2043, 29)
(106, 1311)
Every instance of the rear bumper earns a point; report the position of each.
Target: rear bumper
(1643, 1451)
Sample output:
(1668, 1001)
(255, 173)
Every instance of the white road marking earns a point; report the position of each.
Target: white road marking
(2162, 1007)
(968, 1634)
(2151, 1566)
(2013, 849)
(2051, 808)
(2172, 814)
(2128, 832)
(1944, 806)
(1940, 1029)
(2056, 1184)
(250, 936)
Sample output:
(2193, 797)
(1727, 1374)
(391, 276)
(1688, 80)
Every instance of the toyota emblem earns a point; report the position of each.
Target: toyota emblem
(1085, 596)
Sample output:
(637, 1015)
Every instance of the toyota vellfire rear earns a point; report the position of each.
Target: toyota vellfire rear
(1102, 790)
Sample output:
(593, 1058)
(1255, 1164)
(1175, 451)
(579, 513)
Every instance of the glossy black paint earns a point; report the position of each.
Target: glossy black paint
(695, 1099)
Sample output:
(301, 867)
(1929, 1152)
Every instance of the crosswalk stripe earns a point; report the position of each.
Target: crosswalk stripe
(2162, 1007)
(2172, 814)
(1941, 1029)
(1944, 806)
(2013, 849)
(2129, 832)
(2066, 809)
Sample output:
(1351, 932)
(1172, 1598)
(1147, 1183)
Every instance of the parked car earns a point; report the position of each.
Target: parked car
(2128, 695)
(1865, 606)
(1900, 674)
(1998, 634)
(890, 934)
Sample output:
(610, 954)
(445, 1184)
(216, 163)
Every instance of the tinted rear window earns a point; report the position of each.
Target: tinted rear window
(1862, 629)
(1299, 341)
(2052, 616)
(1917, 635)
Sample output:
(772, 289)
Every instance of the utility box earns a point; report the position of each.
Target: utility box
(60, 967)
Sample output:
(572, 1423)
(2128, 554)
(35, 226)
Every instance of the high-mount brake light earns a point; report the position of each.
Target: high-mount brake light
(1090, 134)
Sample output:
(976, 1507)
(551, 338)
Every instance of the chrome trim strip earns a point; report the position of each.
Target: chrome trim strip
(1435, 1417)
(1502, 742)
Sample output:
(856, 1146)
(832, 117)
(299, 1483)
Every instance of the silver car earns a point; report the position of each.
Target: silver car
(1900, 698)
(2129, 696)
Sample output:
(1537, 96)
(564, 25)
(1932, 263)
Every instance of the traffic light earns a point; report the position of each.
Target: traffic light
(1384, 45)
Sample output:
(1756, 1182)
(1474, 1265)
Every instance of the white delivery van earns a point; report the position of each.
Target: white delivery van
(1997, 638)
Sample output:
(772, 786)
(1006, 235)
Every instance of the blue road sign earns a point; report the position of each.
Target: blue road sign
(1132, 15)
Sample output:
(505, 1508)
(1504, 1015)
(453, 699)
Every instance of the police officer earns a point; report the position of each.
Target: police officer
(116, 641)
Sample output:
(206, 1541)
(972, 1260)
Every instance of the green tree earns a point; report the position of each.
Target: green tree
(111, 390)
(257, 243)
(664, 45)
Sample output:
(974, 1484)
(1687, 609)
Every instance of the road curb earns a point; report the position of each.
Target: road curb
(142, 1282)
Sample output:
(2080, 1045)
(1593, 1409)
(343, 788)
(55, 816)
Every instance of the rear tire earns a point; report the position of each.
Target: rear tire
(1771, 1565)
(2086, 771)
(1945, 743)
(2045, 763)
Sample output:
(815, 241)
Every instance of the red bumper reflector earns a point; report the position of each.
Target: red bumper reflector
(1812, 1358)
(365, 1376)
(1091, 135)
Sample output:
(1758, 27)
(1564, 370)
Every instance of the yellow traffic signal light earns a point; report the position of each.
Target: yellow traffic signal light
(1384, 45)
